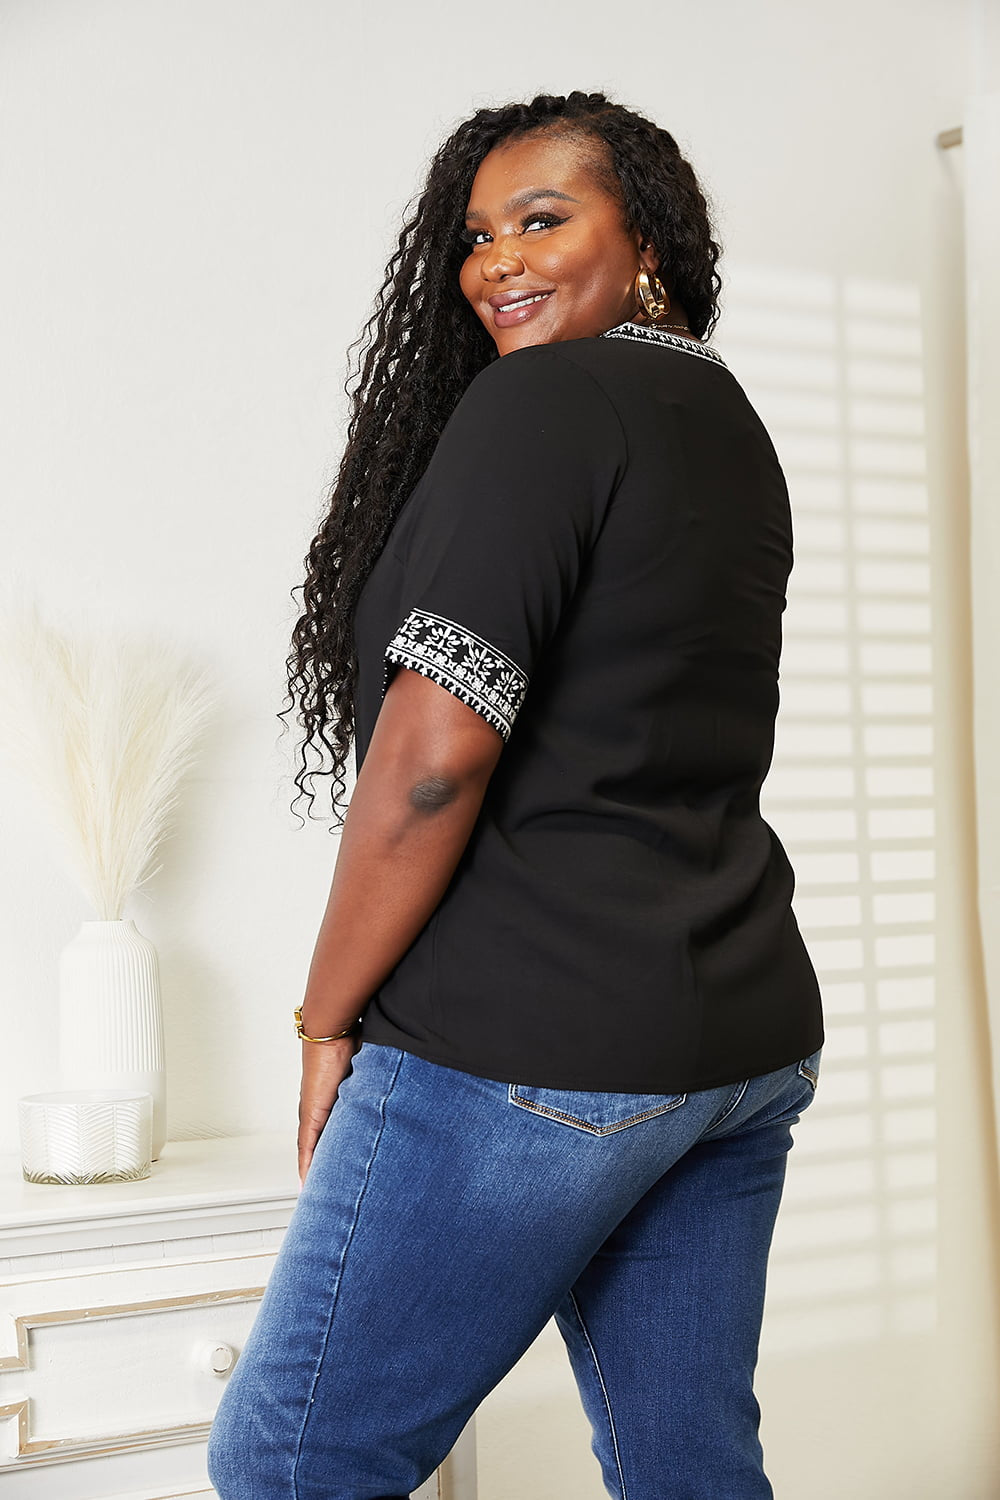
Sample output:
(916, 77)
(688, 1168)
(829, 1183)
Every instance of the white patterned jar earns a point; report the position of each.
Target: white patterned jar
(80, 1136)
(111, 1015)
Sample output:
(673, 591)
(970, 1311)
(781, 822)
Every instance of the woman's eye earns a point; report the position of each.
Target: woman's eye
(471, 236)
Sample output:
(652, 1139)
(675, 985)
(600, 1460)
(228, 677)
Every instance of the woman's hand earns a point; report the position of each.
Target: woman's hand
(412, 811)
(325, 1065)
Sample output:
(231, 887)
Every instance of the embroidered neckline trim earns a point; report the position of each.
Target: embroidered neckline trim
(647, 334)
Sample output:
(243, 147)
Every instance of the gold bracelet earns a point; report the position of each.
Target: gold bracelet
(350, 1030)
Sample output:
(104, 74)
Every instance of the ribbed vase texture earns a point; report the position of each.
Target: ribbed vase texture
(111, 1015)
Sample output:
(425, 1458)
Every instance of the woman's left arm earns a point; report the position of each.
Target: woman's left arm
(416, 800)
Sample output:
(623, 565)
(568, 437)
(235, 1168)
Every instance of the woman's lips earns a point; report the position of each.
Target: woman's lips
(519, 312)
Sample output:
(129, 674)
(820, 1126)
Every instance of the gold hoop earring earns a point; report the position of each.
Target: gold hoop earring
(652, 294)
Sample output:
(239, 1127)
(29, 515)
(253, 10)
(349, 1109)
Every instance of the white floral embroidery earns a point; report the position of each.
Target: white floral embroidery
(461, 661)
(649, 333)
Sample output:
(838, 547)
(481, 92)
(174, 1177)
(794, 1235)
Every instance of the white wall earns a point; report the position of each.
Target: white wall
(198, 200)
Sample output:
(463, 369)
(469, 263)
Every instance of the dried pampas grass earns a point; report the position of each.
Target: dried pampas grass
(102, 725)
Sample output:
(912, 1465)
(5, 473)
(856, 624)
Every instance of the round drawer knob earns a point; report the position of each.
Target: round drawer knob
(216, 1359)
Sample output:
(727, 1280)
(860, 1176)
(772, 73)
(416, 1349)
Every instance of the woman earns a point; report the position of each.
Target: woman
(559, 1019)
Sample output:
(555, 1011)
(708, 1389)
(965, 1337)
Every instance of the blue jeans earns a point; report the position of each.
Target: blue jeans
(445, 1218)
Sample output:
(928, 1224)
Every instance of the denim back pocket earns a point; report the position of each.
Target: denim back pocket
(809, 1067)
(598, 1114)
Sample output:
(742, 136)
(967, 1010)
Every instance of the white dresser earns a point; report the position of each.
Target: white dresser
(123, 1307)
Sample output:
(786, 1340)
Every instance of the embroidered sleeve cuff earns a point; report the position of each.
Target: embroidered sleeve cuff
(461, 661)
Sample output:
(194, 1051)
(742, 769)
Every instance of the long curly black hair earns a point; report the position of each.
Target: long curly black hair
(421, 347)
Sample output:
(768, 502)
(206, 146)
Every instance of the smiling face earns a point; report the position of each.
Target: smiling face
(541, 225)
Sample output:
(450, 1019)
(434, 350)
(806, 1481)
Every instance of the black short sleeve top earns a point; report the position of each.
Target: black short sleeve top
(595, 560)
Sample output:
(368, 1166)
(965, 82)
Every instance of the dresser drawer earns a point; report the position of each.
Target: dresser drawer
(123, 1308)
(97, 1361)
(102, 1362)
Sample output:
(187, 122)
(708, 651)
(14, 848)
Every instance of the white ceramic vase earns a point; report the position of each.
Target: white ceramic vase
(111, 1015)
